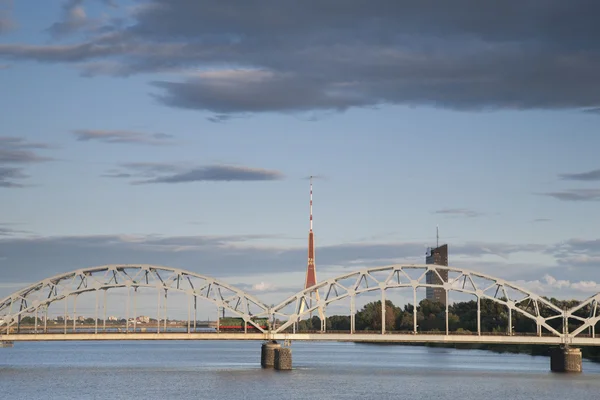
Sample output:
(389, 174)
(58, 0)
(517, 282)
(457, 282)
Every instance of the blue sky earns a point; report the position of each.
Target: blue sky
(489, 133)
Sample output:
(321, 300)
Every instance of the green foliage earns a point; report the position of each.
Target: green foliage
(431, 317)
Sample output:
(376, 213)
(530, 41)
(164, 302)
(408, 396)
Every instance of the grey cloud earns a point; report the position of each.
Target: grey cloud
(17, 151)
(578, 246)
(15, 156)
(307, 56)
(35, 258)
(151, 169)
(8, 175)
(576, 195)
(112, 174)
(179, 173)
(4, 66)
(219, 118)
(578, 252)
(459, 212)
(6, 22)
(542, 220)
(63, 53)
(247, 91)
(74, 19)
(16, 143)
(143, 170)
(218, 173)
(123, 137)
(7, 230)
(583, 176)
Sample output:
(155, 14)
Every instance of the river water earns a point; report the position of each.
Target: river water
(231, 370)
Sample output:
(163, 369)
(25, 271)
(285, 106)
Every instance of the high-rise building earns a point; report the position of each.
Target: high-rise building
(437, 256)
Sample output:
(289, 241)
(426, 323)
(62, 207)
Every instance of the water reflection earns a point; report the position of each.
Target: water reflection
(226, 370)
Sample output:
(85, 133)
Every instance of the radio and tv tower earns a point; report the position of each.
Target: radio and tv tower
(311, 273)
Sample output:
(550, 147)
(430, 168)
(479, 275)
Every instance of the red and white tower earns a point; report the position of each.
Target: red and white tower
(311, 273)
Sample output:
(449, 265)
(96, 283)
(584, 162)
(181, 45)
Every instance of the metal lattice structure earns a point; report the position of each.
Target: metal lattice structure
(588, 322)
(552, 322)
(36, 298)
(516, 299)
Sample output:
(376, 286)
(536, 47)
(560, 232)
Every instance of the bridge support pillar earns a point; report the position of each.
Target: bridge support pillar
(267, 353)
(565, 359)
(283, 359)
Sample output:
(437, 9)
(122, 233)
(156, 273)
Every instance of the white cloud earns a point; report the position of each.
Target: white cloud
(549, 285)
(263, 286)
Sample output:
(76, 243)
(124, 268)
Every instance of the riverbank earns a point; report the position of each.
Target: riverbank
(589, 353)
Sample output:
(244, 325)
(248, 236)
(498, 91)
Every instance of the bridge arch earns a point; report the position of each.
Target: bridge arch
(482, 286)
(38, 296)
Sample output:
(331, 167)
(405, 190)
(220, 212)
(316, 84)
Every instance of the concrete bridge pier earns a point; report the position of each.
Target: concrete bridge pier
(274, 356)
(267, 353)
(283, 359)
(565, 359)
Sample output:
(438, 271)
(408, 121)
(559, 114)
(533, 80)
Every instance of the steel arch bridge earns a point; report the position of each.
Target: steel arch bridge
(36, 298)
(552, 322)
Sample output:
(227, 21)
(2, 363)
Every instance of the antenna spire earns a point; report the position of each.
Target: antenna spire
(311, 217)
(437, 235)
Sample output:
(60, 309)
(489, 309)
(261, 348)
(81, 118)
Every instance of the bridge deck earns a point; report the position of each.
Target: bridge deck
(338, 337)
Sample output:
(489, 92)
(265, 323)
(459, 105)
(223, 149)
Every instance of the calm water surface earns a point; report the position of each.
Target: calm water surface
(229, 370)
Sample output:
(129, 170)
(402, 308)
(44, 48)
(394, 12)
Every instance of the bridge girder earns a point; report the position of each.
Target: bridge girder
(107, 277)
(413, 276)
(469, 282)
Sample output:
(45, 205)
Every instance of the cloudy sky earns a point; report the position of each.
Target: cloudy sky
(181, 133)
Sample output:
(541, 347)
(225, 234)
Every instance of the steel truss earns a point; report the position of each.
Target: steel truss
(36, 298)
(413, 276)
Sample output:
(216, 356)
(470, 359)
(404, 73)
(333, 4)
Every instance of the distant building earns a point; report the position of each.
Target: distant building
(437, 256)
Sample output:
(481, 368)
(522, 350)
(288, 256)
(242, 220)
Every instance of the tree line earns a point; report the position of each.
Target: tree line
(462, 317)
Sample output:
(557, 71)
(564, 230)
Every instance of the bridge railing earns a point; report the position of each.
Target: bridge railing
(548, 319)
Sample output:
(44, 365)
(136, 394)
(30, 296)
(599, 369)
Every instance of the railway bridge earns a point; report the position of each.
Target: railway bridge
(278, 325)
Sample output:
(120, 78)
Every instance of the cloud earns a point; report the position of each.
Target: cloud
(262, 287)
(123, 137)
(459, 212)
(219, 173)
(542, 220)
(308, 56)
(170, 173)
(74, 19)
(246, 260)
(6, 22)
(255, 91)
(580, 251)
(40, 256)
(8, 175)
(17, 151)
(576, 195)
(6, 230)
(583, 176)
(549, 285)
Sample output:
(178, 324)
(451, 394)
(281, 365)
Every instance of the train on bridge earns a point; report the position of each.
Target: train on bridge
(234, 324)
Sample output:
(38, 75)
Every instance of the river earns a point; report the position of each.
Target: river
(230, 370)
